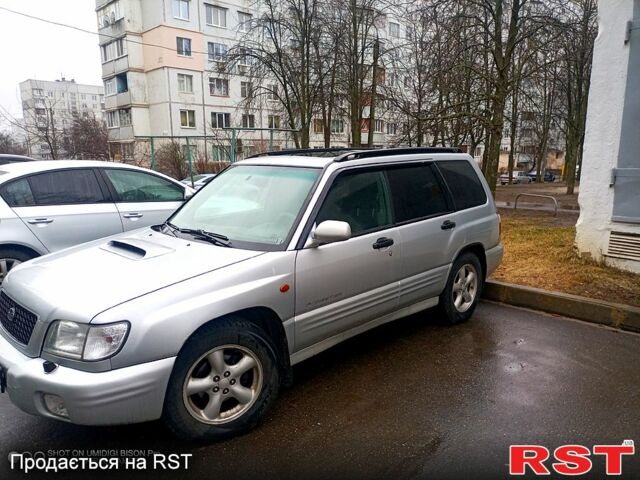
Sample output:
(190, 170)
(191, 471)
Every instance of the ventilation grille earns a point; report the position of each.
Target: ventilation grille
(624, 245)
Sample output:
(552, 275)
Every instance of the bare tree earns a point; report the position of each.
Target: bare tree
(8, 144)
(87, 138)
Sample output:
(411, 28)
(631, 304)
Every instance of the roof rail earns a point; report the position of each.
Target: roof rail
(311, 152)
(385, 152)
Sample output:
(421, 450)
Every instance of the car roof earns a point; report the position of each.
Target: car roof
(308, 158)
(13, 170)
(15, 158)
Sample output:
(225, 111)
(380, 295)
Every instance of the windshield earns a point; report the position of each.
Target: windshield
(255, 206)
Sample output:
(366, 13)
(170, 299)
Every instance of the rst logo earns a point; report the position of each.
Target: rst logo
(569, 459)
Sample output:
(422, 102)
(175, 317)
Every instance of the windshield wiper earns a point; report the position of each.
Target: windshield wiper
(214, 238)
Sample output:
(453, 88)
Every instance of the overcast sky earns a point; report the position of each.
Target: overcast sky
(33, 49)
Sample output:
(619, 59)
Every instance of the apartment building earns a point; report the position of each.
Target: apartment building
(52, 106)
(163, 66)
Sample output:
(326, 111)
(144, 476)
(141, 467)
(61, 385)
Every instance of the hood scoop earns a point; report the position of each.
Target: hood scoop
(135, 249)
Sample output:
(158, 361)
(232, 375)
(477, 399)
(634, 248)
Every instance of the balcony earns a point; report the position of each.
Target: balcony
(112, 67)
(117, 101)
(107, 31)
(121, 133)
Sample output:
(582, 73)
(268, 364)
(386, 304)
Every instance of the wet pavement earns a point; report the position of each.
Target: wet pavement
(411, 399)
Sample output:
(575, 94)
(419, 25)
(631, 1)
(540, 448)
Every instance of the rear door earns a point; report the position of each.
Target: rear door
(427, 228)
(342, 285)
(143, 198)
(64, 207)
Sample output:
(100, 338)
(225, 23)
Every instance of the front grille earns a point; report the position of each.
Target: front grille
(20, 323)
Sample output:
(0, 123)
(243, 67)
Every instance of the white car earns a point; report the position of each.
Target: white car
(46, 206)
(199, 181)
(518, 177)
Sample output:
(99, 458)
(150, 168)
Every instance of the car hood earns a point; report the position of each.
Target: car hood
(83, 281)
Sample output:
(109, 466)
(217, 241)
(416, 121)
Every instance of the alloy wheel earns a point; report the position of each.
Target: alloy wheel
(465, 288)
(223, 384)
(7, 264)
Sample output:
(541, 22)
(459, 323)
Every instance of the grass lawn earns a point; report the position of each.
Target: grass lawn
(539, 252)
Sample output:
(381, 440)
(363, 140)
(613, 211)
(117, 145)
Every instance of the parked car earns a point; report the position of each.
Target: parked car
(199, 181)
(10, 158)
(198, 320)
(46, 206)
(548, 176)
(518, 177)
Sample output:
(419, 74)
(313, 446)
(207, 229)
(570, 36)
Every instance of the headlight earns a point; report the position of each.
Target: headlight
(85, 342)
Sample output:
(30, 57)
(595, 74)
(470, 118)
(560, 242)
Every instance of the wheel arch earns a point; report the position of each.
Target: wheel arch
(478, 250)
(21, 248)
(268, 321)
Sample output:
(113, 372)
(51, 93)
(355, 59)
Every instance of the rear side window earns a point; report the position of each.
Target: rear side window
(66, 187)
(416, 193)
(132, 186)
(465, 186)
(18, 194)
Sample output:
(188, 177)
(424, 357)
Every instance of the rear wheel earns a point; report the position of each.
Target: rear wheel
(9, 258)
(224, 381)
(464, 287)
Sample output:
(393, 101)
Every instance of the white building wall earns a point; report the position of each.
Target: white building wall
(603, 135)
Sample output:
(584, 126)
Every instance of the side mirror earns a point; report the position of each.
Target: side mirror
(329, 231)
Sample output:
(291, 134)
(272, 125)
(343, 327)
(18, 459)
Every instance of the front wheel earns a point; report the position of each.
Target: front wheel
(9, 258)
(464, 287)
(223, 382)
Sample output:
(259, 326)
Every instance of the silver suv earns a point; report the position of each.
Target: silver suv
(198, 320)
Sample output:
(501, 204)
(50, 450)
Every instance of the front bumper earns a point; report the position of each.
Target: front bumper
(125, 395)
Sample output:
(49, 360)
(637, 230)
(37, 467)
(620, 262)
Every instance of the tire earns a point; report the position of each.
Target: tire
(452, 313)
(10, 257)
(240, 399)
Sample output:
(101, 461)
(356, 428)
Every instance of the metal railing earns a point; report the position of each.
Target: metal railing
(555, 202)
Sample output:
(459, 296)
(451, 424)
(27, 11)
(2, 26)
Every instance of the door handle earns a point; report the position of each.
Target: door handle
(382, 243)
(132, 215)
(448, 225)
(39, 221)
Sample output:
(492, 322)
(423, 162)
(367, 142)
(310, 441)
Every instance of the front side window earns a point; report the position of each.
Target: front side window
(65, 187)
(360, 199)
(133, 186)
(181, 9)
(416, 193)
(183, 46)
(255, 206)
(465, 186)
(188, 118)
(216, 16)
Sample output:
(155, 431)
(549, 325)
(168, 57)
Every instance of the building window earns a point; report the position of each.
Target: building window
(392, 128)
(394, 30)
(248, 121)
(219, 87)
(246, 57)
(38, 92)
(272, 92)
(188, 118)
(181, 9)
(273, 121)
(112, 119)
(216, 16)
(124, 117)
(108, 15)
(337, 125)
(113, 50)
(378, 126)
(220, 120)
(244, 21)
(217, 52)
(246, 89)
(318, 126)
(185, 83)
(183, 46)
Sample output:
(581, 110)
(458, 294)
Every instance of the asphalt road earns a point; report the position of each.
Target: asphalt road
(409, 400)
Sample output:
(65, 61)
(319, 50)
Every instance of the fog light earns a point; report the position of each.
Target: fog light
(55, 405)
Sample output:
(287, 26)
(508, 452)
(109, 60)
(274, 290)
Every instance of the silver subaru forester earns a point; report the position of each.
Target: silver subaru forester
(198, 320)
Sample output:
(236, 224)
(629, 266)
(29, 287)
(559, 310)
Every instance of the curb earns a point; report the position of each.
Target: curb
(616, 315)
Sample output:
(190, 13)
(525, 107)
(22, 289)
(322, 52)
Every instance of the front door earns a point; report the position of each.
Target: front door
(342, 285)
(143, 199)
